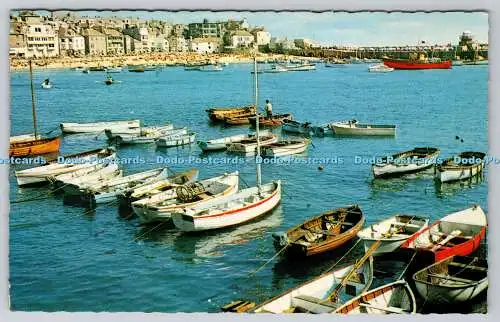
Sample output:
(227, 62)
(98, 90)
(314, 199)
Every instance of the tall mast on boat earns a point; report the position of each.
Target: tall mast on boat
(33, 101)
(256, 97)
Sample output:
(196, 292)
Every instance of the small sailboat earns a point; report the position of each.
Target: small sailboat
(380, 68)
(37, 145)
(175, 140)
(392, 298)
(459, 233)
(320, 234)
(159, 207)
(392, 232)
(454, 280)
(406, 162)
(463, 166)
(239, 208)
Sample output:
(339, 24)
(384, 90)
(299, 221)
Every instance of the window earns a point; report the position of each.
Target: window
(38, 29)
(51, 45)
(63, 40)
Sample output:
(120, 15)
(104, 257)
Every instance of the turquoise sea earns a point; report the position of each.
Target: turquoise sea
(66, 257)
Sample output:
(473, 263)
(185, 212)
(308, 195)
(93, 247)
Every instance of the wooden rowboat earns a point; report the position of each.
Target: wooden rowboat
(34, 147)
(159, 207)
(463, 166)
(95, 127)
(74, 186)
(285, 147)
(357, 129)
(222, 143)
(248, 146)
(392, 232)
(219, 114)
(239, 119)
(175, 140)
(235, 209)
(453, 280)
(392, 298)
(275, 120)
(406, 162)
(323, 233)
(312, 296)
(125, 198)
(459, 233)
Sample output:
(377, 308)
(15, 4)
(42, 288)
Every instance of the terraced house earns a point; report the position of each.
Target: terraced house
(95, 42)
(114, 41)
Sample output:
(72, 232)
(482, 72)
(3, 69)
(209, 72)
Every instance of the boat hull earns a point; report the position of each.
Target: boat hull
(458, 173)
(175, 141)
(279, 151)
(352, 130)
(34, 147)
(408, 65)
(117, 126)
(229, 218)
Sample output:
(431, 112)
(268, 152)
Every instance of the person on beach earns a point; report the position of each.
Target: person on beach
(269, 109)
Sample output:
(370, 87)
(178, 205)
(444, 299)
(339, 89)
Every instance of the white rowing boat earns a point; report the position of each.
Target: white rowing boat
(452, 281)
(175, 140)
(406, 162)
(117, 126)
(73, 186)
(357, 129)
(250, 145)
(69, 163)
(160, 206)
(107, 191)
(312, 296)
(150, 137)
(241, 207)
(135, 131)
(465, 165)
(222, 143)
(285, 147)
(392, 232)
(380, 68)
(392, 298)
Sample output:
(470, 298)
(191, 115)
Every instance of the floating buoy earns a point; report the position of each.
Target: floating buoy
(320, 168)
(462, 140)
(456, 137)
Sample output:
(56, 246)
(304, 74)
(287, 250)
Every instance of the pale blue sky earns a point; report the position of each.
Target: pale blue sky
(364, 28)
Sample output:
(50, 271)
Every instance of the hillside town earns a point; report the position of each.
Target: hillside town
(71, 38)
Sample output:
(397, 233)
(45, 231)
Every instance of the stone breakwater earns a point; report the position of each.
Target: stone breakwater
(142, 59)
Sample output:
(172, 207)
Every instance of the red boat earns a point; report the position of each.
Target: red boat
(459, 233)
(417, 64)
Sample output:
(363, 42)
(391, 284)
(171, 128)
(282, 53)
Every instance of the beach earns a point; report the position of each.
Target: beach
(19, 64)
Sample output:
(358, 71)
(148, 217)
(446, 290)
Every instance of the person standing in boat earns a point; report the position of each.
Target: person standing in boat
(269, 109)
(46, 81)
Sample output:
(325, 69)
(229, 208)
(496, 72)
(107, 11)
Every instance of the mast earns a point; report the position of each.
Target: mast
(257, 119)
(33, 101)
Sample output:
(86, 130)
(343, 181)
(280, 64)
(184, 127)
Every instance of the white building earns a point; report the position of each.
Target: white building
(178, 44)
(144, 36)
(205, 45)
(160, 43)
(70, 43)
(262, 38)
(41, 41)
(241, 38)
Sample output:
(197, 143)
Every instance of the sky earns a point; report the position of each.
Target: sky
(341, 28)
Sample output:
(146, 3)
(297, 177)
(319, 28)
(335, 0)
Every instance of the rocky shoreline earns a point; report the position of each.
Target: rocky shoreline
(19, 64)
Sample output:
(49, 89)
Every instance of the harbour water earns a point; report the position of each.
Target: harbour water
(65, 257)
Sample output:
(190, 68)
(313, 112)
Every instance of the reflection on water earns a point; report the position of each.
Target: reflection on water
(444, 189)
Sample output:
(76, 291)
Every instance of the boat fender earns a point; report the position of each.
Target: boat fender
(281, 238)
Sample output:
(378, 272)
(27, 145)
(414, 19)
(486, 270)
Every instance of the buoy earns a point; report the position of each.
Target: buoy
(462, 140)
(320, 168)
(456, 137)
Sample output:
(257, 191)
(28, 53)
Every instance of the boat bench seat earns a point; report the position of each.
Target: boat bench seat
(400, 225)
(452, 278)
(476, 268)
(390, 309)
(329, 306)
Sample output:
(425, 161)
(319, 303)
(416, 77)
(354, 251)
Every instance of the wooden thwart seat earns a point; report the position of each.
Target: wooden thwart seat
(451, 278)
(327, 305)
(449, 237)
(390, 309)
(403, 225)
(475, 268)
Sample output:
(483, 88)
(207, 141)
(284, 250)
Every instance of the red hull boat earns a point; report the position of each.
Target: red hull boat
(459, 233)
(406, 64)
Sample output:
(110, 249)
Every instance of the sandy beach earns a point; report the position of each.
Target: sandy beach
(17, 64)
